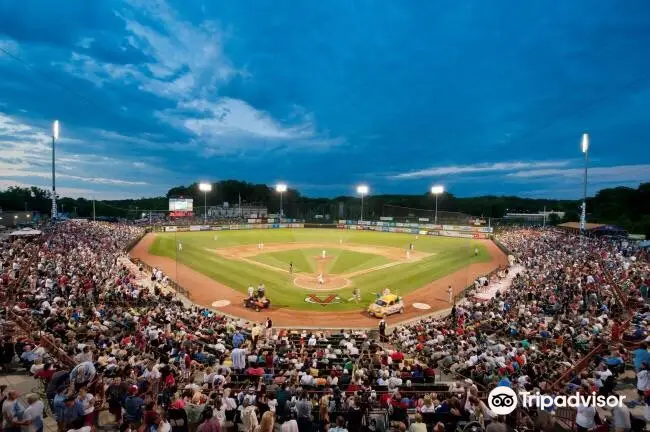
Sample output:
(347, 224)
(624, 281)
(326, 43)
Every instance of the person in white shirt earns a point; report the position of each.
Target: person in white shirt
(33, 414)
(621, 418)
(643, 382)
(88, 404)
(307, 380)
(585, 417)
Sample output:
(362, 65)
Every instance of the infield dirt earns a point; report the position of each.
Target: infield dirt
(204, 291)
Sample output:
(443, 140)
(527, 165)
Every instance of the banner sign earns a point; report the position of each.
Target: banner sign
(423, 220)
(170, 229)
(386, 218)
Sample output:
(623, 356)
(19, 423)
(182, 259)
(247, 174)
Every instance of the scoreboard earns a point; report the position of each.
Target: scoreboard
(179, 207)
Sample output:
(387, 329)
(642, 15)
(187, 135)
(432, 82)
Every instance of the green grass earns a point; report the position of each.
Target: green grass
(301, 262)
(449, 255)
(351, 261)
(304, 260)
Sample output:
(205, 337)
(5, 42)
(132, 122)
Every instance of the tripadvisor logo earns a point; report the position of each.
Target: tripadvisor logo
(503, 400)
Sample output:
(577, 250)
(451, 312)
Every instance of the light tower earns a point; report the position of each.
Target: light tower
(55, 136)
(281, 188)
(437, 190)
(205, 187)
(363, 191)
(583, 214)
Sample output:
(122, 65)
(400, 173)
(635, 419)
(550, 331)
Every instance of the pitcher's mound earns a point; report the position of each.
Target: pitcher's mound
(330, 283)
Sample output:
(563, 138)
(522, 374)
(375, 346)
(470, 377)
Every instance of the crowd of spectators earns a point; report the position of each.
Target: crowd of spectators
(103, 334)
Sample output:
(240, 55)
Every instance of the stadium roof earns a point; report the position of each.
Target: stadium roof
(576, 225)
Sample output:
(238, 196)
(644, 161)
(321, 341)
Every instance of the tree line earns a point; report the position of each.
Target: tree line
(623, 206)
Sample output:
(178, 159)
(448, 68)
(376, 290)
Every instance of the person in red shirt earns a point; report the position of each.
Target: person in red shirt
(397, 357)
(46, 373)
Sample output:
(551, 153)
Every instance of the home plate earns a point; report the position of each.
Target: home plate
(421, 306)
(220, 303)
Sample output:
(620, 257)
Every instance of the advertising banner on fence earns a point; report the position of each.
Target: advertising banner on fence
(216, 228)
(386, 218)
(195, 228)
(455, 234)
(170, 229)
(423, 219)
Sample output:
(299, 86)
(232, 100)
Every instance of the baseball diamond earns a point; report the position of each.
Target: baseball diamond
(310, 274)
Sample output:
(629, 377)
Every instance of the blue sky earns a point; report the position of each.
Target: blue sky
(485, 97)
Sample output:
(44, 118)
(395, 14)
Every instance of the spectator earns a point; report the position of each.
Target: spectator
(32, 419)
(12, 412)
(267, 422)
(417, 425)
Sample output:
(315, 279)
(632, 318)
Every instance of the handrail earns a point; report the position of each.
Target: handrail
(579, 365)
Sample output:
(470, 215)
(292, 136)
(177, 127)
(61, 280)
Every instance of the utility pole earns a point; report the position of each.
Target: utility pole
(94, 211)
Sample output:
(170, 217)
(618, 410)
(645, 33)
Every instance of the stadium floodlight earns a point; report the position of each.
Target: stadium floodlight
(583, 214)
(281, 188)
(437, 190)
(205, 187)
(55, 136)
(362, 190)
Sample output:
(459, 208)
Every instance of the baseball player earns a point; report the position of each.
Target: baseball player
(320, 278)
(475, 251)
(180, 247)
(324, 254)
(451, 294)
(251, 291)
(290, 266)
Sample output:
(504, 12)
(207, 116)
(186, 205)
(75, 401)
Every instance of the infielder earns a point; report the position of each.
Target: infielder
(451, 294)
(356, 295)
(320, 278)
(324, 254)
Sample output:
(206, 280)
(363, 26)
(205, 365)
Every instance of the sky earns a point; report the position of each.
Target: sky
(483, 97)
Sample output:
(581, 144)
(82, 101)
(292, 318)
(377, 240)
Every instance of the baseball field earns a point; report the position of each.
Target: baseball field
(314, 270)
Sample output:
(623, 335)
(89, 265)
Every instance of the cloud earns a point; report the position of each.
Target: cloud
(234, 117)
(187, 66)
(25, 152)
(618, 173)
(477, 168)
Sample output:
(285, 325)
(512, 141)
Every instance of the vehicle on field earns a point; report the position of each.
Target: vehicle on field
(386, 305)
(257, 303)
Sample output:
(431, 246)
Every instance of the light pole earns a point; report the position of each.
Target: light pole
(205, 188)
(55, 136)
(437, 190)
(362, 190)
(281, 188)
(583, 215)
